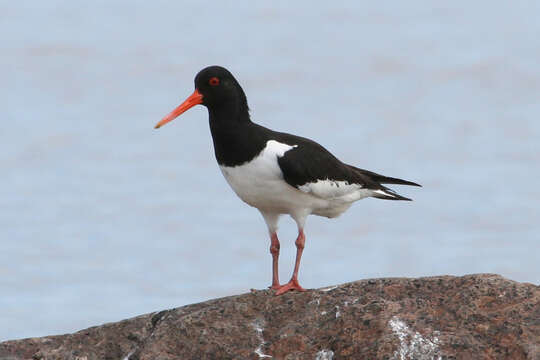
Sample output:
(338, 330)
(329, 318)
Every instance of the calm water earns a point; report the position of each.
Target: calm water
(105, 218)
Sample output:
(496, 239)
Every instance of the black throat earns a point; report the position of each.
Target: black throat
(237, 139)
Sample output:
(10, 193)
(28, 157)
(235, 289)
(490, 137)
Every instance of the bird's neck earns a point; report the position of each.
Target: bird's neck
(229, 113)
(226, 120)
(236, 139)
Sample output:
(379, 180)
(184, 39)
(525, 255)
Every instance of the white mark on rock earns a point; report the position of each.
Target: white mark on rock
(316, 301)
(329, 288)
(325, 355)
(258, 326)
(129, 355)
(323, 312)
(338, 313)
(412, 344)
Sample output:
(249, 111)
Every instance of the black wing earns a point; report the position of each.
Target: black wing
(309, 162)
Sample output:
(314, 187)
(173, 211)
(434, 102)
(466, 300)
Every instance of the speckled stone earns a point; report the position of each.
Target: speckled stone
(471, 317)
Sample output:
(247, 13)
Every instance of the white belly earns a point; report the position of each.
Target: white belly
(260, 184)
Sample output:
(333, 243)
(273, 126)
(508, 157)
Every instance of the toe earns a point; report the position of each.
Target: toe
(291, 285)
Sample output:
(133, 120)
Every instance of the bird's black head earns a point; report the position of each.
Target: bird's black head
(217, 89)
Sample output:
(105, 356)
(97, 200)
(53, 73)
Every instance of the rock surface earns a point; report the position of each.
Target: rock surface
(470, 317)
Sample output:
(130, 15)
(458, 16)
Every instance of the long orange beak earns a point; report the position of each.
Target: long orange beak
(194, 99)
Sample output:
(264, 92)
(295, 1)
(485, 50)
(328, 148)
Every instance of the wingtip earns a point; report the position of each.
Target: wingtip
(411, 183)
(406, 182)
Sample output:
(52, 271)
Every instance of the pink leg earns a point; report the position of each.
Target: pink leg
(293, 283)
(274, 250)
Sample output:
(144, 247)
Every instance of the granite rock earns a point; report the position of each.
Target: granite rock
(470, 317)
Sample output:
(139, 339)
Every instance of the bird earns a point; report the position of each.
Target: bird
(276, 172)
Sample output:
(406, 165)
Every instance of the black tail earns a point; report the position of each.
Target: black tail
(381, 179)
(375, 180)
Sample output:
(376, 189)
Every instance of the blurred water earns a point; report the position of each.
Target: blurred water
(104, 218)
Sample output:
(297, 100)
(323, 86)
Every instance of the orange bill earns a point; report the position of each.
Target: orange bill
(194, 99)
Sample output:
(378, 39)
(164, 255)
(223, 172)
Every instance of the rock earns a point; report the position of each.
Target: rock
(470, 317)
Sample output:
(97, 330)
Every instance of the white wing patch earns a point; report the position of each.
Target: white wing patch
(274, 147)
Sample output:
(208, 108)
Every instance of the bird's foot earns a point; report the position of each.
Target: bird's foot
(291, 285)
(274, 286)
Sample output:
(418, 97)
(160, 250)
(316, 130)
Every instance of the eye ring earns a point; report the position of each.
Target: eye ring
(214, 81)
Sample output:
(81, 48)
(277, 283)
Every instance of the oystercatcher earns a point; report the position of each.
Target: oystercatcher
(278, 173)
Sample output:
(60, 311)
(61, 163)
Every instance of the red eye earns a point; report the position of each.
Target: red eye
(214, 81)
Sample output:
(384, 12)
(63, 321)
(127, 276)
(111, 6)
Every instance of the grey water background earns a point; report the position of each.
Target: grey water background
(104, 218)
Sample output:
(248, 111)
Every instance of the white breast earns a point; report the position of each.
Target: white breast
(260, 183)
